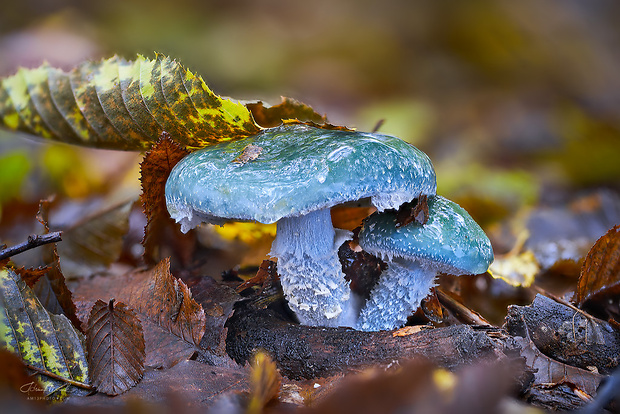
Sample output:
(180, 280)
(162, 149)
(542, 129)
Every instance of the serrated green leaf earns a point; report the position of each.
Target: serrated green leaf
(59, 85)
(108, 87)
(17, 90)
(85, 93)
(39, 91)
(45, 341)
(153, 96)
(121, 105)
(129, 74)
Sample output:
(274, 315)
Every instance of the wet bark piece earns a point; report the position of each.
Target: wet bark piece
(566, 335)
(310, 352)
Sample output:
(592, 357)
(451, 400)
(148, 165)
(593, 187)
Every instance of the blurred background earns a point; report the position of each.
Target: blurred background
(517, 103)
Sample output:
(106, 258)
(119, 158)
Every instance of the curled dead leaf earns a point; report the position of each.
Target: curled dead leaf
(600, 273)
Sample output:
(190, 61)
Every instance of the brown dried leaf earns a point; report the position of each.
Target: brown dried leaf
(249, 153)
(415, 211)
(600, 272)
(265, 381)
(167, 302)
(272, 116)
(154, 171)
(173, 322)
(550, 373)
(115, 344)
(265, 277)
(31, 275)
(95, 241)
(54, 281)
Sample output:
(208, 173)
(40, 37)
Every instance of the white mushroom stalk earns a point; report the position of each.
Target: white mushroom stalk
(450, 242)
(310, 271)
(398, 293)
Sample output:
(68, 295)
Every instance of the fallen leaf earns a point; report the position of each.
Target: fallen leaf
(189, 385)
(95, 241)
(154, 171)
(415, 211)
(600, 273)
(407, 330)
(272, 116)
(173, 322)
(167, 301)
(549, 372)
(42, 340)
(31, 275)
(265, 277)
(122, 105)
(249, 153)
(515, 268)
(115, 345)
(52, 290)
(265, 382)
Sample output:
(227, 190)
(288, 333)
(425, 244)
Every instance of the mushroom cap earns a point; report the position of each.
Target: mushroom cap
(450, 241)
(292, 170)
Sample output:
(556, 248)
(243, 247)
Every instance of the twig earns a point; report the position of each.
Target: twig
(60, 378)
(470, 316)
(33, 241)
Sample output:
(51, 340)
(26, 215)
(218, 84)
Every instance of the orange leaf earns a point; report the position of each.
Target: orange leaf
(154, 169)
(600, 273)
(167, 302)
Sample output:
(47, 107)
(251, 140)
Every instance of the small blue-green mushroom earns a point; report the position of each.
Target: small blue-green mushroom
(292, 175)
(450, 242)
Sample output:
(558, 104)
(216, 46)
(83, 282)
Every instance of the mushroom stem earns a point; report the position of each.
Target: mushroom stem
(398, 293)
(310, 271)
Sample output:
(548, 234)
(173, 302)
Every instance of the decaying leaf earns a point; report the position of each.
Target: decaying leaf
(95, 241)
(600, 273)
(31, 275)
(154, 171)
(249, 153)
(272, 116)
(550, 373)
(115, 345)
(120, 104)
(416, 211)
(265, 277)
(167, 301)
(265, 381)
(173, 322)
(43, 340)
(52, 289)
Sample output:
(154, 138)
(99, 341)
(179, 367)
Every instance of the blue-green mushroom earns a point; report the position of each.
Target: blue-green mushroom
(293, 175)
(450, 242)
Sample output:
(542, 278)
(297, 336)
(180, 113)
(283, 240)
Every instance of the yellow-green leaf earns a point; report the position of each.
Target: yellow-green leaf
(123, 105)
(42, 340)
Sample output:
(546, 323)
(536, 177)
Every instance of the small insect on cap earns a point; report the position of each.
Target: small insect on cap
(292, 170)
(450, 241)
